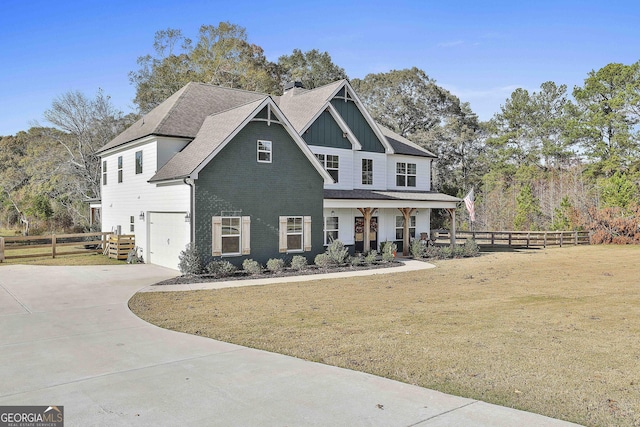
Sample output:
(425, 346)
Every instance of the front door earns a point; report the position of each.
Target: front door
(359, 234)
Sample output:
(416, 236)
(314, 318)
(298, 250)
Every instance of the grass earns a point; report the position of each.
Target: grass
(553, 332)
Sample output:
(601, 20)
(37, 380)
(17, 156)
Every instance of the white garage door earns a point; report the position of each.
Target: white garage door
(168, 235)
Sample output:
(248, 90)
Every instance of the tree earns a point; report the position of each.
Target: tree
(313, 68)
(619, 191)
(82, 126)
(527, 209)
(221, 56)
(407, 101)
(605, 117)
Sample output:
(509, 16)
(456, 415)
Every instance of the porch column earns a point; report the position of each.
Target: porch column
(406, 238)
(452, 233)
(367, 213)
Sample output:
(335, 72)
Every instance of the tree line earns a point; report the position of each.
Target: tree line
(549, 159)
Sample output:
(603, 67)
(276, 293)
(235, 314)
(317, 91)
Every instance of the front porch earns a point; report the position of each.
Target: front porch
(367, 218)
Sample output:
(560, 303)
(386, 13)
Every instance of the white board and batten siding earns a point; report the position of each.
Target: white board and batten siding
(135, 195)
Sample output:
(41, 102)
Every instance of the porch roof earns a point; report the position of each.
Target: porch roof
(388, 199)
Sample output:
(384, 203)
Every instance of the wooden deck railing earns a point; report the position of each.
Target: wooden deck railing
(516, 239)
(27, 246)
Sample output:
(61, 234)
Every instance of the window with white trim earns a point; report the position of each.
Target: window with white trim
(367, 171)
(405, 174)
(400, 227)
(330, 229)
(264, 151)
(104, 172)
(295, 233)
(119, 169)
(331, 164)
(138, 162)
(132, 226)
(230, 235)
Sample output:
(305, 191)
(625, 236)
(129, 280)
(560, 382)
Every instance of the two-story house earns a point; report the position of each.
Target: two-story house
(245, 175)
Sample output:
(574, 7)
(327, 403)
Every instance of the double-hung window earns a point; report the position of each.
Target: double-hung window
(330, 229)
(400, 227)
(119, 168)
(231, 235)
(104, 172)
(138, 162)
(264, 151)
(132, 224)
(367, 171)
(405, 174)
(331, 164)
(295, 233)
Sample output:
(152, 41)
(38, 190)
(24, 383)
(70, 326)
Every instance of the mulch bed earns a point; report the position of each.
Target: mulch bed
(241, 275)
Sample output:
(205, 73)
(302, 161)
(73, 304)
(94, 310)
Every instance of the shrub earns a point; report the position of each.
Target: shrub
(322, 260)
(389, 252)
(190, 261)
(356, 260)
(470, 248)
(371, 257)
(418, 248)
(338, 254)
(275, 265)
(251, 266)
(299, 263)
(219, 268)
(445, 252)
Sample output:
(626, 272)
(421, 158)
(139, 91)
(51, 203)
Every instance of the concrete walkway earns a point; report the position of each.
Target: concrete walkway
(68, 338)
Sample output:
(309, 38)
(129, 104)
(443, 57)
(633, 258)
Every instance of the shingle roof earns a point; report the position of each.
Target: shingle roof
(300, 106)
(389, 195)
(183, 113)
(402, 145)
(214, 131)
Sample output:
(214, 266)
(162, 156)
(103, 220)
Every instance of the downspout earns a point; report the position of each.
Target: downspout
(192, 203)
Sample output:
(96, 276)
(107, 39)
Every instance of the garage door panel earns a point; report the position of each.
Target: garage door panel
(168, 236)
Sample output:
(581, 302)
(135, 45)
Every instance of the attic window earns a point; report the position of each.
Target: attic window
(264, 151)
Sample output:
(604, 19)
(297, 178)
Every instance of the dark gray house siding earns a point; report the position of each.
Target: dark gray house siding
(326, 132)
(358, 125)
(235, 182)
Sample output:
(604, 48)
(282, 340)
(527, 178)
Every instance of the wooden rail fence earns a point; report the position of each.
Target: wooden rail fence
(517, 239)
(82, 243)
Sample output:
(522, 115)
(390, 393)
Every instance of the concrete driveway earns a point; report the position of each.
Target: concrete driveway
(68, 338)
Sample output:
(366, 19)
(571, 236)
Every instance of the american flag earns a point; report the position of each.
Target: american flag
(469, 202)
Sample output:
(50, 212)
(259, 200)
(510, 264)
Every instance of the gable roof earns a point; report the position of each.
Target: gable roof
(216, 131)
(302, 106)
(183, 113)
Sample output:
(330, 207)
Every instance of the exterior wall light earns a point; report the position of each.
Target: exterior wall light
(187, 217)
(141, 216)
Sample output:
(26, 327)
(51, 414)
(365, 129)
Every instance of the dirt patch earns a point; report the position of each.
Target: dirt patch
(553, 331)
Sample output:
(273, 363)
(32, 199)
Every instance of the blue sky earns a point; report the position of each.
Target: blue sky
(480, 51)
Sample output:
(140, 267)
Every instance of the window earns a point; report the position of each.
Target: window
(119, 168)
(132, 227)
(330, 229)
(231, 235)
(367, 171)
(104, 172)
(295, 233)
(330, 164)
(400, 227)
(405, 174)
(264, 151)
(138, 162)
